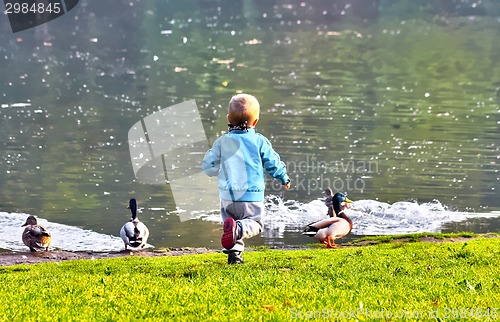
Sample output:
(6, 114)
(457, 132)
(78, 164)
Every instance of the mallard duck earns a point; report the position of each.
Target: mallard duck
(134, 233)
(337, 225)
(35, 236)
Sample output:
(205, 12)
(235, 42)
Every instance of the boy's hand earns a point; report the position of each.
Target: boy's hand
(287, 185)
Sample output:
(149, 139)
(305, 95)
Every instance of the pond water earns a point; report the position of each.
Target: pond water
(396, 103)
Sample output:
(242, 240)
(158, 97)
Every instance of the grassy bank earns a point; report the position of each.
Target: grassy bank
(444, 281)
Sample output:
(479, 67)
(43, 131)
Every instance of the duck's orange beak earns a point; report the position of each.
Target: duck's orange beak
(347, 203)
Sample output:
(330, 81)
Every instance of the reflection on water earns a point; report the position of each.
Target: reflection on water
(393, 101)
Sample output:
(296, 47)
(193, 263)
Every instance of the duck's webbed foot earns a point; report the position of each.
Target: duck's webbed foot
(330, 242)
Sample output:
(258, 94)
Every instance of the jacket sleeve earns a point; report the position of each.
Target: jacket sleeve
(211, 162)
(272, 162)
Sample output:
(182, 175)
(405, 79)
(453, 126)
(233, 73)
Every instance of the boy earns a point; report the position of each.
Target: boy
(239, 159)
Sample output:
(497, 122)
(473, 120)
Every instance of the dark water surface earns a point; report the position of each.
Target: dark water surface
(390, 102)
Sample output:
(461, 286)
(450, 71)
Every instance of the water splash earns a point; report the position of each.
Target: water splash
(369, 217)
(379, 218)
(64, 237)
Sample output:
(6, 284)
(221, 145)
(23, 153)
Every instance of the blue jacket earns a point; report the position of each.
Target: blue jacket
(239, 159)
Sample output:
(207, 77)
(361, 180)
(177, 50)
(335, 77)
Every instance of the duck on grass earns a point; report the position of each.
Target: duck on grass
(337, 225)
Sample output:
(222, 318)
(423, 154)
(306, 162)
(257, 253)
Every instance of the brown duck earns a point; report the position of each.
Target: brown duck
(36, 237)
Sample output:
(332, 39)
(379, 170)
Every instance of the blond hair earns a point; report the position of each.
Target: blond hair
(243, 108)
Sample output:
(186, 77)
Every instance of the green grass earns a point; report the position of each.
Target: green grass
(409, 280)
(414, 237)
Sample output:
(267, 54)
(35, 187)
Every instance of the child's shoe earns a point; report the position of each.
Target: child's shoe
(235, 258)
(229, 235)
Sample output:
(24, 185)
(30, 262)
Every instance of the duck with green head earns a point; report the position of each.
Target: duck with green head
(337, 225)
(134, 233)
(36, 237)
